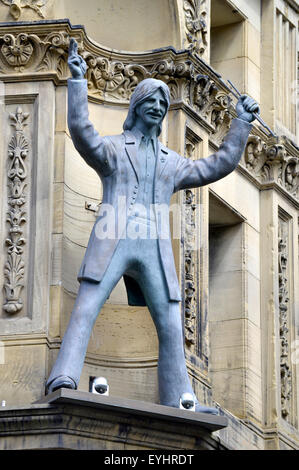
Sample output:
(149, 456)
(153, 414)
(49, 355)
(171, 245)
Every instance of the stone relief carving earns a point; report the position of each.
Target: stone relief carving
(113, 79)
(285, 370)
(254, 151)
(18, 150)
(16, 6)
(204, 93)
(190, 305)
(17, 50)
(196, 25)
(272, 161)
(29, 53)
(190, 258)
(213, 104)
(118, 80)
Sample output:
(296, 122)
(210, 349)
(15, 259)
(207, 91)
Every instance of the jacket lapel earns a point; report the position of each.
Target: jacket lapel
(161, 160)
(131, 150)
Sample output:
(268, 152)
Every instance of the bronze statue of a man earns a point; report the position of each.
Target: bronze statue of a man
(136, 169)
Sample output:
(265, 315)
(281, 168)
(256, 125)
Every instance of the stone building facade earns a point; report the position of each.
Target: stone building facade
(237, 256)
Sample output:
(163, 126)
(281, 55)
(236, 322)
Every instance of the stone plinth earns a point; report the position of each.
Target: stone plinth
(68, 419)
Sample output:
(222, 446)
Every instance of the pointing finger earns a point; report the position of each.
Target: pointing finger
(73, 48)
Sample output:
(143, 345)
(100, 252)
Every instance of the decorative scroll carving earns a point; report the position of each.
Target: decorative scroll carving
(118, 80)
(190, 307)
(16, 6)
(204, 93)
(18, 150)
(112, 79)
(190, 254)
(271, 161)
(276, 157)
(28, 52)
(213, 105)
(285, 372)
(17, 50)
(177, 76)
(254, 153)
(196, 25)
(53, 53)
(220, 115)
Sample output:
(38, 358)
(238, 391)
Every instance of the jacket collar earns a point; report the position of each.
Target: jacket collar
(129, 137)
(131, 146)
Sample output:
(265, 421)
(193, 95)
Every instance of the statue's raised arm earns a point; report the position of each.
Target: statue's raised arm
(98, 152)
(192, 174)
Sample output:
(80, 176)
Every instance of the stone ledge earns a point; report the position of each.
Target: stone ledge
(135, 407)
(69, 419)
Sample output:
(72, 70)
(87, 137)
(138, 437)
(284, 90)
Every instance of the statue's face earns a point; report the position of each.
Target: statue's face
(152, 111)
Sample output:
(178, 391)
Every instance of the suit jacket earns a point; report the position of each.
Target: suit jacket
(115, 159)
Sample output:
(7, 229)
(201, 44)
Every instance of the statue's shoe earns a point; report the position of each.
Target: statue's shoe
(206, 409)
(63, 381)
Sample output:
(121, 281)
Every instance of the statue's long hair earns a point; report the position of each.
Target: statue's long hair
(142, 92)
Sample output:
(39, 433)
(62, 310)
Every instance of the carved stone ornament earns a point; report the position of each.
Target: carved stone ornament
(190, 258)
(196, 25)
(273, 160)
(24, 52)
(18, 151)
(42, 51)
(118, 80)
(16, 7)
(213, 104)
(285, 370)
(17, 50)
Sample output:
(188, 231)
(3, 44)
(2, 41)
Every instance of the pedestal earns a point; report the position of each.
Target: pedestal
(69, 419)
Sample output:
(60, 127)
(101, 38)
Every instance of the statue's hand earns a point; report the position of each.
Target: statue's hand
(76, 63)
(245, 108)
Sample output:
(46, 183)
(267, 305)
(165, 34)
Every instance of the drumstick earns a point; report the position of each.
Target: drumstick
(237, 95)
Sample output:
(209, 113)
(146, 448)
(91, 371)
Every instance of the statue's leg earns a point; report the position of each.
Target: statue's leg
(90, 299)
(69, 363)
(172, 371)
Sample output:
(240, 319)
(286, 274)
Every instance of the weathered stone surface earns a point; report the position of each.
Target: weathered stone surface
(69, 419)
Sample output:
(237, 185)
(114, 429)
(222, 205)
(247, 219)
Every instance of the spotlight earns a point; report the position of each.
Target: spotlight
(187, 402)
(100, 386)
